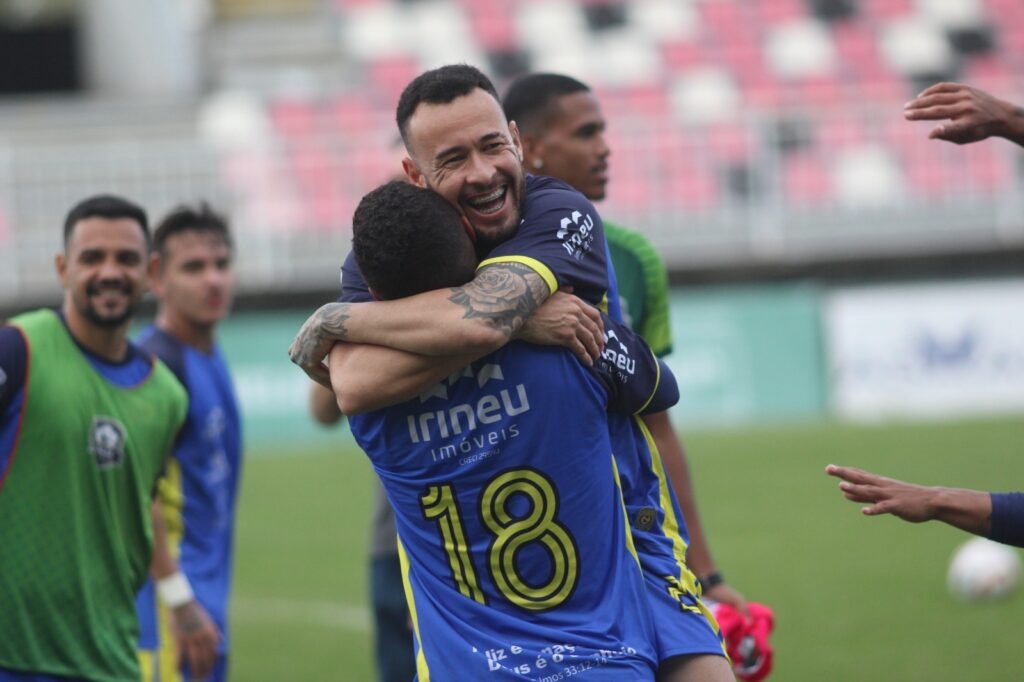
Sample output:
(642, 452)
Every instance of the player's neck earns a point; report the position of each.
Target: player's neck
(199, 336)
(109, 343)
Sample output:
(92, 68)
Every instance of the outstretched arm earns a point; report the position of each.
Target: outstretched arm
(969, 510)
(476, 319)
(968, 114)
(698, 553)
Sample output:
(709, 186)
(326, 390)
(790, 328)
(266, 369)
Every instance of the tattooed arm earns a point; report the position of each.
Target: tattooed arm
(474, 319)
(366, 377)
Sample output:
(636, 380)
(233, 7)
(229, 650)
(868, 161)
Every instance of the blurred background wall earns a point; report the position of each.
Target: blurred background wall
(829, 260)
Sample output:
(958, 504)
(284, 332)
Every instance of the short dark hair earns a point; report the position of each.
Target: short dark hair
(105, 206)
(530, 100)
(408, 240)
(440, 86)
(186, 218)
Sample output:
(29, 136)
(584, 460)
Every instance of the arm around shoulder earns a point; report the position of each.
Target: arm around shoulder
(367, 377)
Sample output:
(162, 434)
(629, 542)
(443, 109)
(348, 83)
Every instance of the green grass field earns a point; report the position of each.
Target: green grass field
(855, 598)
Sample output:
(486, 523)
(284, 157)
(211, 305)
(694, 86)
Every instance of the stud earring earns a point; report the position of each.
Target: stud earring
(538, 164)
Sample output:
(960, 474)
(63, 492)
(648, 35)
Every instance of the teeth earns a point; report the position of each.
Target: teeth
(493, 196)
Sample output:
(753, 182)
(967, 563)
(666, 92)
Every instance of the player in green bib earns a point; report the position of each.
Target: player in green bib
(86, 419)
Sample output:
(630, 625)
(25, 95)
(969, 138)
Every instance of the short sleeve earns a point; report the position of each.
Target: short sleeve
(637, 382)
(13, 365)
(1008, 518)
(561, 236)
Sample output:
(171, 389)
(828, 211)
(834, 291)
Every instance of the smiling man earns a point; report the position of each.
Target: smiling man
(535, 236)
(461, 147)
(86, 420)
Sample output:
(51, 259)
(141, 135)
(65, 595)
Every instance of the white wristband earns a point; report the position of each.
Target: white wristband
(174, 590)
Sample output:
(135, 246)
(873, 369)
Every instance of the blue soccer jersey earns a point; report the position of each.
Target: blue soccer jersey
(518, 561)
(200, 485)
(561, 237)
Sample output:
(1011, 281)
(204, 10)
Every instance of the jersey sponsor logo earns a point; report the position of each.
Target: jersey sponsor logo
(616, 353)
(465, 418)
(106, 442)
(576, 232)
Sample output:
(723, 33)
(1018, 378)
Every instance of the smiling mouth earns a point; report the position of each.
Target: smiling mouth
(490, 203)
(116, 290)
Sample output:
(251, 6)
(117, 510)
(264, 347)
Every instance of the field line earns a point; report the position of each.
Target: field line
(282, 611)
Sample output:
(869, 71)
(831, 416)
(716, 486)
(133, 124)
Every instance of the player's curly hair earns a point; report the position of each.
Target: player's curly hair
(530, 100)
(440, 86)
(408, 240)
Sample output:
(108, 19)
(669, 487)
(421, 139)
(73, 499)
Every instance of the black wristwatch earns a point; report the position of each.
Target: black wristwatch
(711, 580)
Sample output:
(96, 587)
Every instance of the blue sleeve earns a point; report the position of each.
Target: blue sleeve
(561, 231)
(13, 365)
(353, 286)
(1008, 518)
(636, 380)
(168, 350)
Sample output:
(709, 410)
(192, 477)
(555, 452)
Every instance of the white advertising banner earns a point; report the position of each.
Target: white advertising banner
(926, 350)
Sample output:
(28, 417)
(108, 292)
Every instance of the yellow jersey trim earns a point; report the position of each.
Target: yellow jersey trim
(422, 671)
(532, 263)
(654, 390)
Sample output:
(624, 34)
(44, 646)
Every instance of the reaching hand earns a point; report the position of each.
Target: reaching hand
(196, 637)
(565, 320)
(914, 503)
(973, 114)
(316, 338)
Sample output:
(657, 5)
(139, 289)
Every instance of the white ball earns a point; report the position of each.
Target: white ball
(982, 569)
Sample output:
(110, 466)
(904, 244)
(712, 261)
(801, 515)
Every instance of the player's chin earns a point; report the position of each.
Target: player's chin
(490, 236)
(598, 189)
(111, 317)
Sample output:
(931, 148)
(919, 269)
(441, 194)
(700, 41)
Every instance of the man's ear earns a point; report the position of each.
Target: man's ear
(532, 155)
(517, 142)
(60, 264)
(153, 270)
(412, 172)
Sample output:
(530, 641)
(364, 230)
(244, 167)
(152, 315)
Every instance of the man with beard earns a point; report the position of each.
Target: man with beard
(86, 420)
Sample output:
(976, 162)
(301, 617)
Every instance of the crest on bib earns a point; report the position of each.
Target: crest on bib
(106, 442)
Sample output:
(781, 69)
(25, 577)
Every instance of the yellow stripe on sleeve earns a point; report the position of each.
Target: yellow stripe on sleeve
(657, 382)
(532, 263)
